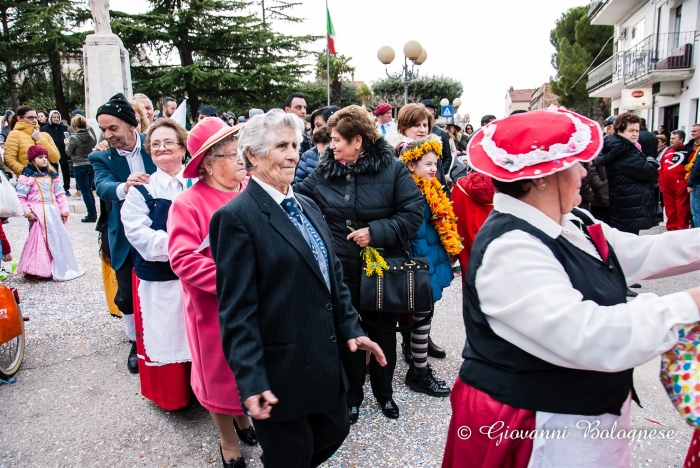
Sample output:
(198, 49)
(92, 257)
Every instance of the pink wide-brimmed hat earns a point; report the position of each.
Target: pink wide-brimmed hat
(534, 144)
(204, 135)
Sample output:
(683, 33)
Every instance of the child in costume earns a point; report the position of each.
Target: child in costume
(437, 240)
(48, 252)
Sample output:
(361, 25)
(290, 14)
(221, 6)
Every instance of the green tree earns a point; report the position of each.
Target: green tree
(315, 95)
(579, 44)
(365, 95)
(38, 38)
(434, 88)
(339, 69)
(226, 55)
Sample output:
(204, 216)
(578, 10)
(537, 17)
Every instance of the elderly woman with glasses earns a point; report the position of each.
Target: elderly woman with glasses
(222, 177)
(161, 341)
(284, 311)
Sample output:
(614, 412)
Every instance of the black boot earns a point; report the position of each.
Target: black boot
(132, 362)
(409, 376)
(631, 293)
(423, 381)
(434, 350)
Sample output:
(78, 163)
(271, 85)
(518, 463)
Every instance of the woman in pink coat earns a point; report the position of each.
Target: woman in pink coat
(222, 176)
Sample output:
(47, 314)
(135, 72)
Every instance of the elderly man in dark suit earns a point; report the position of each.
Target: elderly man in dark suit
(284, 310)
(125, 164)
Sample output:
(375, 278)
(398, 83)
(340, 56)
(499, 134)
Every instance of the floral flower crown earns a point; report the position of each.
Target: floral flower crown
(409, 154)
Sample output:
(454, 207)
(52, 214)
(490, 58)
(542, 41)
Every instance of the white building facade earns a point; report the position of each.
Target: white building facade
(655, 47)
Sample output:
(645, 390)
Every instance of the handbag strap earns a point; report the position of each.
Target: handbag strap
(406, 252)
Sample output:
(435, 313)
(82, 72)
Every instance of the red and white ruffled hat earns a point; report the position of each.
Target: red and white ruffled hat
(534, 144)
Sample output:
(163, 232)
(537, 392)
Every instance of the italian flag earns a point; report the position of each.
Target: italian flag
(331, 34)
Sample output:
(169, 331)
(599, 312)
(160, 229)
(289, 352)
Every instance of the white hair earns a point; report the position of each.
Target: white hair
(260, 133)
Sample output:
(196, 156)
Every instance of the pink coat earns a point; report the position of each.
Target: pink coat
(188, 225)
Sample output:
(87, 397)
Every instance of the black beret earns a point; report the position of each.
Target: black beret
(120, 108)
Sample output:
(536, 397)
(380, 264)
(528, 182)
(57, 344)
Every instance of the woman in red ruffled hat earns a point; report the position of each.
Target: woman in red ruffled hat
(551, 339)
(222, 176)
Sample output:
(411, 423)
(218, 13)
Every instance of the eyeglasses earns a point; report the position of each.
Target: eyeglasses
(228, 155)
(168, 145)
(29, 117)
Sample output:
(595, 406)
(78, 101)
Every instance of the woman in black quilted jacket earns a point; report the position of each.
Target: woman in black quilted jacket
(360, 186)
(631, 177)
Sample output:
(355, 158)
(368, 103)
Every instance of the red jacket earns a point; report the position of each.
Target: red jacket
(472, 201)
(673, 163)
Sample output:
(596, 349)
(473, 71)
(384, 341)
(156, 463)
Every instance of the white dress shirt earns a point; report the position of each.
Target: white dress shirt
(135, 161)
(162, 312)
(389, 127)
(529, 301)
(276, 195)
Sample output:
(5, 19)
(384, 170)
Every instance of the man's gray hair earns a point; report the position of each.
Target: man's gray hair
(260, 133)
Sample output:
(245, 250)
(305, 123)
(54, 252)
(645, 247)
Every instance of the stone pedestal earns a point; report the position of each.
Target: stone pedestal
(107, 71)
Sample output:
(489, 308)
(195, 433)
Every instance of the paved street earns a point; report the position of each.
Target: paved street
(75, 404)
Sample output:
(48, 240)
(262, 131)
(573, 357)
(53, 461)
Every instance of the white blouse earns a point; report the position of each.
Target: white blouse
(529, 301)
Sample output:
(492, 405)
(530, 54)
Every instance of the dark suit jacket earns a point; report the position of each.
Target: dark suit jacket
(281, 328)
(110, 171)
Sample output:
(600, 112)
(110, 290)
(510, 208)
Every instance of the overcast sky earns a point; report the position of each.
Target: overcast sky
(487, 45)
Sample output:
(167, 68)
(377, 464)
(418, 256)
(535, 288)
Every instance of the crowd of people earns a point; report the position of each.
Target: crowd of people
(242, 246)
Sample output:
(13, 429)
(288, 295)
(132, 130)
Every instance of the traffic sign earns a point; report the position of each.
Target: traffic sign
(447, 112)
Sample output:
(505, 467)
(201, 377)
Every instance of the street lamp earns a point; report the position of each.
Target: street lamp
(455, 104)
(412, 51)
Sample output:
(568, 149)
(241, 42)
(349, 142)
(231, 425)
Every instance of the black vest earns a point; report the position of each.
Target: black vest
(519, 379)
(158, 212)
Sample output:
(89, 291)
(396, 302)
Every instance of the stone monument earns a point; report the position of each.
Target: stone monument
(106, 65)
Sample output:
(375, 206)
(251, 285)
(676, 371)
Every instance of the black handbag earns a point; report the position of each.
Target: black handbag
(404, 288)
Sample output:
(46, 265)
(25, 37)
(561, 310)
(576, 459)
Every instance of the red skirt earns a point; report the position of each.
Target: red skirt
(468, 443)
(166, 385)
(692, 459)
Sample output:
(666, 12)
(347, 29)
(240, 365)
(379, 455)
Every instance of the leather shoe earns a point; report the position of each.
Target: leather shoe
(435, 351)
(389, 409)
(354, 412)
(635, 285)
(631, 293)
(132, 362)
(88, 219)
(235, 463)
(247, 435)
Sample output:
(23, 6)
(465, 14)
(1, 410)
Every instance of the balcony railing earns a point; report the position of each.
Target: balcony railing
(668, 51)
(595, 7)
(606, 72)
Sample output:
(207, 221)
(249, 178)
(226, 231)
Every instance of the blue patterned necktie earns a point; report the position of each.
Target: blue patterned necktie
(291, 206)
(383, 130)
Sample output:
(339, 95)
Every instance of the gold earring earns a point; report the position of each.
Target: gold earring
(542, 187)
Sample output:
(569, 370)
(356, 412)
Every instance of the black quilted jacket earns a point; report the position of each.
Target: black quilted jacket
(632, 184)
(378, 187)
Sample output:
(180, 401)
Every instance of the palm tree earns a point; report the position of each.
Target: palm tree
(338, 67)
(365, 95)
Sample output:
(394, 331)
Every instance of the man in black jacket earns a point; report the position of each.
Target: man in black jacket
(284, 311)
(59, 133)
(648, 141)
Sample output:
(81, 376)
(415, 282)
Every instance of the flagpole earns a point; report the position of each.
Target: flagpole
(328, 58)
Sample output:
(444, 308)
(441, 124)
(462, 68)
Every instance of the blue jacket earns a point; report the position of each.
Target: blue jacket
(307, 164)
(426, 243)
(110, 171)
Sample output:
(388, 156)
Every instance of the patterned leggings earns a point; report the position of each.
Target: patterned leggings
(419, 340)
